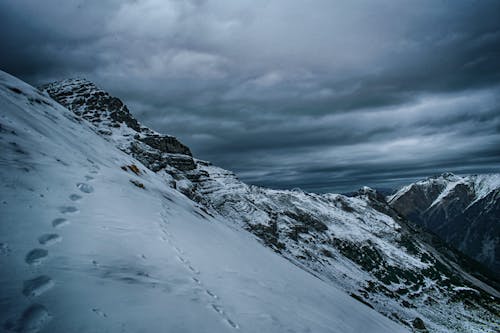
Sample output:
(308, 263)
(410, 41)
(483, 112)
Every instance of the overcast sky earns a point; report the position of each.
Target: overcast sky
(323, 95)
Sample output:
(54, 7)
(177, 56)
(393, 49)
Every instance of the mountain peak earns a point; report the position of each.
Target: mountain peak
(111, 117)
(85, 99)
(456, 208)
(445, 176)
(71, 81)
(448, 175)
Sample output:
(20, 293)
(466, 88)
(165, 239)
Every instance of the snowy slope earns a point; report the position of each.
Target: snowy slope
(83, 249)
(463, 210)
(358, 244)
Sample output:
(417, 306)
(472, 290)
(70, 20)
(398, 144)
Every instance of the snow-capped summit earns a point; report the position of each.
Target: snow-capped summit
(463, 210)
(358, 244)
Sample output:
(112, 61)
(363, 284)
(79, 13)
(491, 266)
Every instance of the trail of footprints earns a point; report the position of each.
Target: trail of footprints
(214, 300)
(35, 316)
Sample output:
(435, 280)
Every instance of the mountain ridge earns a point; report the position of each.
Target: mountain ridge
(358, 244)
(91, 240)
(463, 210)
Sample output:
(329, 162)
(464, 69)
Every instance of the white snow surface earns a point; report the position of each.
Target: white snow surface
(83, 249)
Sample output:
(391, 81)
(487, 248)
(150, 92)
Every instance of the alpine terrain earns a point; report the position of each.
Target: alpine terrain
(463, 210)
(109, 226)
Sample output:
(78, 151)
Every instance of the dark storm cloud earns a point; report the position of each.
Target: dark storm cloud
(323, 95)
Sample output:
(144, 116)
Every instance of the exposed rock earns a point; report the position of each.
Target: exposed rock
(166, 144)
(156, 160)
(108, 114)
(463, 211)
(418, 324)
(87, 100)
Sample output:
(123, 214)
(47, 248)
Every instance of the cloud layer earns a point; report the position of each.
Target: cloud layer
(324, 95)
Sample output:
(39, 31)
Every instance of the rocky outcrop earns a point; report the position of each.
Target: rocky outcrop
(110, 115)
(166, 144)
(88, 101)
(156, 159)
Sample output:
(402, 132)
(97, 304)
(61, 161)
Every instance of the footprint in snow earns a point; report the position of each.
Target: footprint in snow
(220, 311)
(68, 209)
(36, 256)
(32, 320)
(178, 250)
(194, 270)
(231, 323)
(59, 222)
(85, 188)
(37, 286)
(211, 294)
(181, 259)
(4, 249)
(87, 178)
(49, 239)
(99, 312)
(75, 197)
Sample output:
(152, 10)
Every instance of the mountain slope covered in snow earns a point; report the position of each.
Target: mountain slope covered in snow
(463, 210)
(93, 241)
(357, 244)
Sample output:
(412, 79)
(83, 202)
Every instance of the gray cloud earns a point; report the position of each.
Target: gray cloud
(326, 96)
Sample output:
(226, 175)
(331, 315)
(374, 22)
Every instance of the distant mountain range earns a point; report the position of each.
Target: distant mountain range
(463, 210)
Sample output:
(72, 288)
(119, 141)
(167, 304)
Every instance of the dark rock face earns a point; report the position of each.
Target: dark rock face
(166, 144)
(88, 101)
(418, 324)
(157, 160)
(453, 208)
(416, 202)
(448, 208)
(108, 113)
(477, 231)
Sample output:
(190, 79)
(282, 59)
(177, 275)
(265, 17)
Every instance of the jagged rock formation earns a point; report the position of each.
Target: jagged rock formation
(112, 117)
(464, 211)
(358, 243)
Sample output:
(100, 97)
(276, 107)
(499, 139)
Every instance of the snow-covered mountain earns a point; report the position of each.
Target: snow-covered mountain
(94, 241)
(463, 210)
(358, 244)
(110, 226)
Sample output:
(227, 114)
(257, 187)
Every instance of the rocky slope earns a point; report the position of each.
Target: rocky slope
(112, 117)
(359, 244)
(464, 211)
